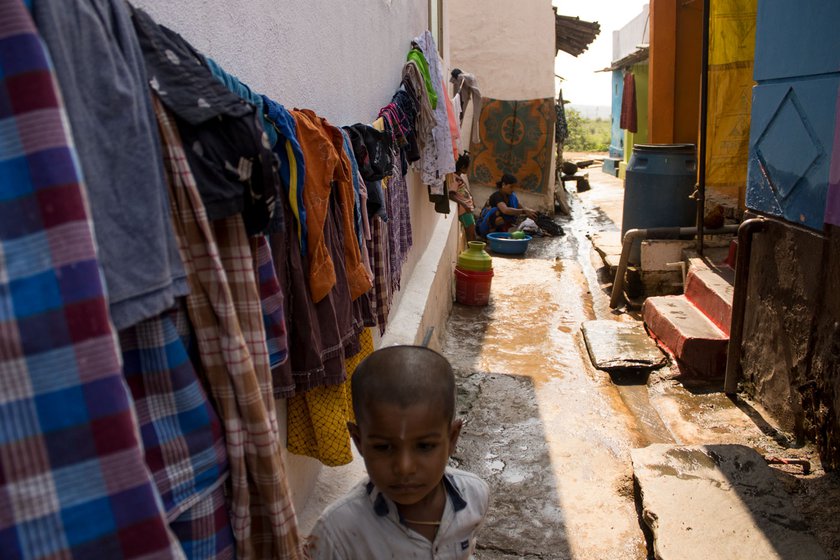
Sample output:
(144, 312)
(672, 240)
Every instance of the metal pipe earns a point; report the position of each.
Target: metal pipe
(704, 109)
(652, 233)
(739, 301)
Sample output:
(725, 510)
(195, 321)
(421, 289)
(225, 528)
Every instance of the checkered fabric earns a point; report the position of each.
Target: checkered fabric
(224, 307)
(73, 482)
(379, 255)
(271, 299)
(182, 436)
(317, 419)
(204, 530)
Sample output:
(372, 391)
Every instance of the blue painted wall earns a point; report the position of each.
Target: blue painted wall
(797, 67)
(617, 135)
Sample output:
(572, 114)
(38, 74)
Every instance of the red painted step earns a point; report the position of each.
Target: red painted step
(711, 291)
(687, 333)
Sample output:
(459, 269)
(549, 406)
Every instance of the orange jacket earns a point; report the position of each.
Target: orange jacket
(327, 168)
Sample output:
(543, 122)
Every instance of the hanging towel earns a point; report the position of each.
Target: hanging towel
(317, 419)
(74, 481)
(628, 104)
(224, 306)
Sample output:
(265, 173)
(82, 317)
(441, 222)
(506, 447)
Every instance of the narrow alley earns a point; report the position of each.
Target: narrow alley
(552, 434)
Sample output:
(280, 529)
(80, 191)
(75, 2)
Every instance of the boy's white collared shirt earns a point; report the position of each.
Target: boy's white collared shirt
(366, 525)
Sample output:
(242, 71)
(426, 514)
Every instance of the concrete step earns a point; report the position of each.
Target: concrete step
(718, 501)
(711, 291)
(694, 340)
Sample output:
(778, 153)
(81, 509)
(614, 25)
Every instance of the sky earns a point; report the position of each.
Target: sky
(582, 86)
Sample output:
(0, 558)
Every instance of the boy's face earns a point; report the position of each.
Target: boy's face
(405, 449)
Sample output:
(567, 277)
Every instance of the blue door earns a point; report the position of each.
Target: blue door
(797, 67)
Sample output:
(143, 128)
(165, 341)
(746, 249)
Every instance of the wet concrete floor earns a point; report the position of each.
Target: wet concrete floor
(549, 432)
(552, 435)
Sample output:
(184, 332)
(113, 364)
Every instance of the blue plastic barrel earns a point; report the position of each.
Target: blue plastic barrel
(657, 190)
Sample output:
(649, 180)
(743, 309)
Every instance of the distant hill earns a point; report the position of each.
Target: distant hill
(592, 112)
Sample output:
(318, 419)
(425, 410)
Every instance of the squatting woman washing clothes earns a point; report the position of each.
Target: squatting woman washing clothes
(502, 208)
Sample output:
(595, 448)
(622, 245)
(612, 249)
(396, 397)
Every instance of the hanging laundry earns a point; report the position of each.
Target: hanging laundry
(399, 227)
(629, 117)
(438, 158)
(321, 333)
(227, 149)
(413, 82)
(328, 169)
(466, 88)
(358, 181)
(204, 530)
(109, 108)
(317, 419)
(292, 166)
(378, 248)
(561, 127)
(182, 435)
(74, 480)
(223, 306)
(247, 94)
(454, 125)
(271, 300)
(417, 55)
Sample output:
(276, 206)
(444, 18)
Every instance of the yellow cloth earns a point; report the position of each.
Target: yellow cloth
(317, 419)
(731, 53)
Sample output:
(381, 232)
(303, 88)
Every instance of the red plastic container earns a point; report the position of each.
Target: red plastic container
(472, 287)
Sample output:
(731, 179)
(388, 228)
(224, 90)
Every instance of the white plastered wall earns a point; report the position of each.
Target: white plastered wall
(509, 47)
(342, 60)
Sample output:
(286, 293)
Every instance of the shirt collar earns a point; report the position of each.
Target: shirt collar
(382, 505)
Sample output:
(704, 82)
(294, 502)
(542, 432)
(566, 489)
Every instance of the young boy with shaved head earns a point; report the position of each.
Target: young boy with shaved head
(413, 505)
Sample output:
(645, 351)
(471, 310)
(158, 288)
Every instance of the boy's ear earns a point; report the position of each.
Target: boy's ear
(353, 428)
(454, 432)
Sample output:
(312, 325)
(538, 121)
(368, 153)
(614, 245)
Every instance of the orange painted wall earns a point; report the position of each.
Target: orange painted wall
(676, 45)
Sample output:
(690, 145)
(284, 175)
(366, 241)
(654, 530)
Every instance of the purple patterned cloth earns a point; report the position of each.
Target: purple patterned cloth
(73, 480)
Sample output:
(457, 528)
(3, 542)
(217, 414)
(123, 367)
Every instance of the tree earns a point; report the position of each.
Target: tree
(578, 140)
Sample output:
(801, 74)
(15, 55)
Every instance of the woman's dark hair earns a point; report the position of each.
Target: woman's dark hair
(463, 162)
(507, 179)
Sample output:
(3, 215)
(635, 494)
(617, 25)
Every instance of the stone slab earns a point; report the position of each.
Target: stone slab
(718, 501)
(608, 245)
(711, 291)
(613, 345)
(687, 333)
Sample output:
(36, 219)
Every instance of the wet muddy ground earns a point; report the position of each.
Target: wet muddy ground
(552, 435)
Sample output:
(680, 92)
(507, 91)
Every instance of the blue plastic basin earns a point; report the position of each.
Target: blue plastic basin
(503, 244)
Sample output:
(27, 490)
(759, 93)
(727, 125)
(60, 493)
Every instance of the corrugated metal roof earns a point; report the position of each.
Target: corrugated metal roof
(572, 34)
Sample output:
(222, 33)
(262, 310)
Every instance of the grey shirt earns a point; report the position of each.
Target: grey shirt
(103, 84)
(365, 524)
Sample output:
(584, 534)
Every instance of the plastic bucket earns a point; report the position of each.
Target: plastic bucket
(472, 287)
